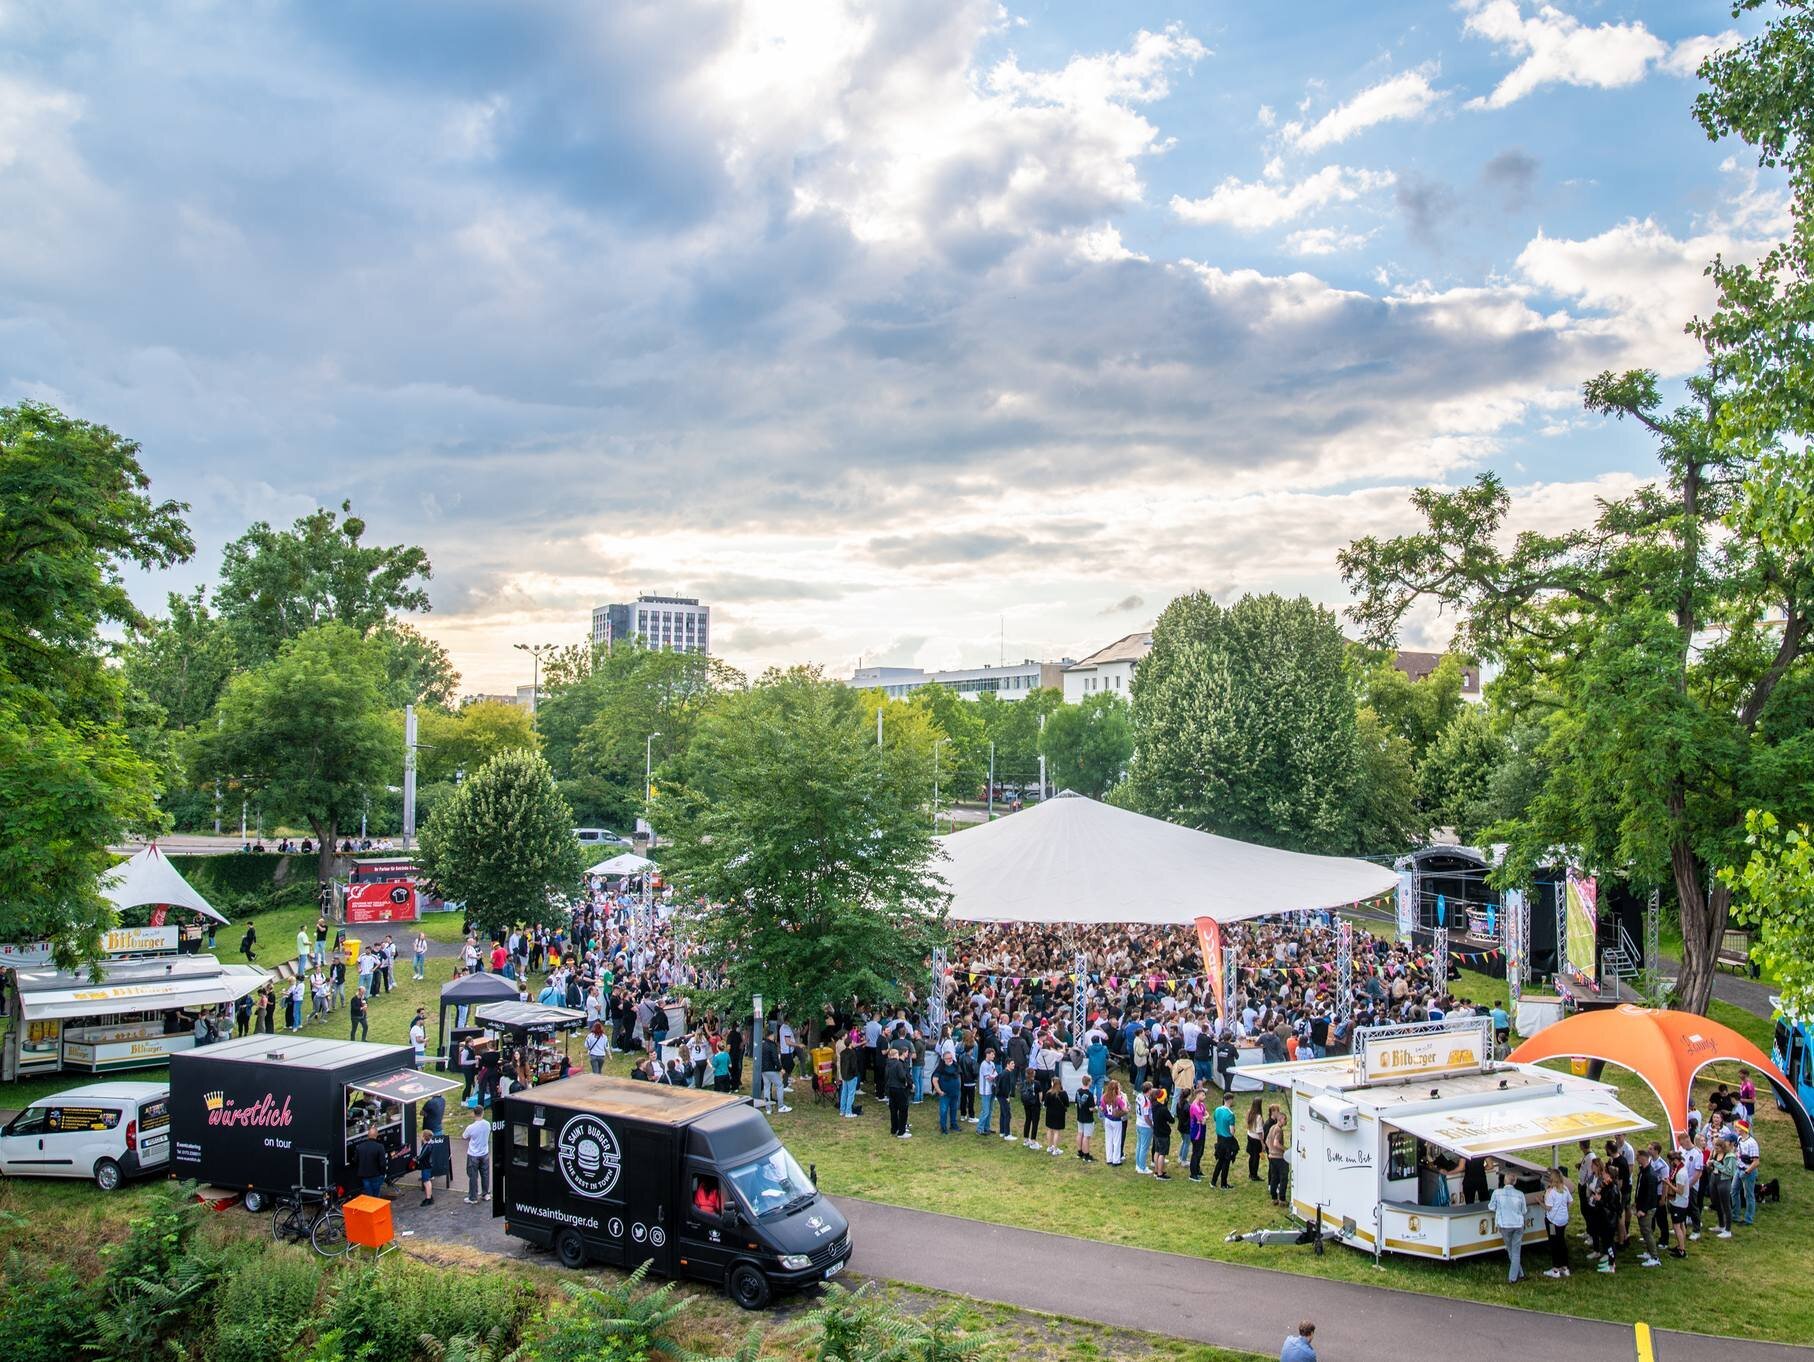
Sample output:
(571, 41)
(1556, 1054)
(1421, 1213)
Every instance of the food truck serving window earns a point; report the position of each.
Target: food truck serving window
(771, 1183)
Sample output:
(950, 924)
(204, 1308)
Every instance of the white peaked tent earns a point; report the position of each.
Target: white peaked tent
(1073, 859)
(628, 863)
(149, 877)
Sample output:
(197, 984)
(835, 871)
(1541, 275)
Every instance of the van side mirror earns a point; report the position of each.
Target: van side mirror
(728, 1214)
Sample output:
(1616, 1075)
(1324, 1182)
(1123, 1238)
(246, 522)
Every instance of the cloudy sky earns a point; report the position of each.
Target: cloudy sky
(894, 330)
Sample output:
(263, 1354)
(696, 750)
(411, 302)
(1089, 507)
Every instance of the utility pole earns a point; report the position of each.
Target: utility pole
(937, 743)
(1042, 759)
(535, 651)
(409, 774)
(878, 723)
(991, 782)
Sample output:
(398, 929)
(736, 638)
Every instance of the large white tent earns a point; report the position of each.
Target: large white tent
(1074, 859)
(148, 877)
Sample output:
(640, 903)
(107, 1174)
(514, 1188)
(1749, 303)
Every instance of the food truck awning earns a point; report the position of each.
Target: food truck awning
(628, 863)
(405, 1085)
(1535, 1122)
(529, 1017)
(230, 984)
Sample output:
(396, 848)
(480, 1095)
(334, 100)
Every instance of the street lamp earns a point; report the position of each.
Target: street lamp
(535, 651)
(937, 743)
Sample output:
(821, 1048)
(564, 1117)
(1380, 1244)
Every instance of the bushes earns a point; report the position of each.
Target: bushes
(383, 1309)
(618, 1323)
(268, 1299)
(45, 1309)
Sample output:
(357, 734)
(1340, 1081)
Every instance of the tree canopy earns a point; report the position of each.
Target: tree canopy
(74, 511)
(503, 845)
(1088, 745)
(307, 732)
(815, 839)
(1244, 724)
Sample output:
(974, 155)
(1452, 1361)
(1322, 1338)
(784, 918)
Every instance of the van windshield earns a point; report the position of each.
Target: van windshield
(772, 1183)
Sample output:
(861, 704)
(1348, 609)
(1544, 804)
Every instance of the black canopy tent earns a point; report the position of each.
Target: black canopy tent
(529, 1029)
(470, 990)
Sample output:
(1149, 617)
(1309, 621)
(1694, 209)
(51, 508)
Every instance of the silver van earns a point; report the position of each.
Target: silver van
(105, 1131)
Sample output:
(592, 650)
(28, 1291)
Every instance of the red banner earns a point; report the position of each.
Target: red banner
(381, 902)
(1209, 937)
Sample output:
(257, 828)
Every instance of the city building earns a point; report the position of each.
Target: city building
(1110, 668)
(1011, 681)
(670, 624)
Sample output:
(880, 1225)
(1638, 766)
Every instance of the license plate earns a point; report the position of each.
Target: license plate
(834, 1270)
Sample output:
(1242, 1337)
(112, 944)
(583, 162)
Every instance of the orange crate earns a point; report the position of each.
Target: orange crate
(368, 1221)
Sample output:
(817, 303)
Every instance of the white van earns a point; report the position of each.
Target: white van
(596, 837)
(105, 1131)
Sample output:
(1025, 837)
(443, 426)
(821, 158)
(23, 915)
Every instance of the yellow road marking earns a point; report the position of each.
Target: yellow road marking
(1646, 1350)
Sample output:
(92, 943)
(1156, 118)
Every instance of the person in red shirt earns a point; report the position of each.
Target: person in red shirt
(706, 1197)
(498, 956)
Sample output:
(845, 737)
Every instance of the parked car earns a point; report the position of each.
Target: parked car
(600, 837)
(105, 1131)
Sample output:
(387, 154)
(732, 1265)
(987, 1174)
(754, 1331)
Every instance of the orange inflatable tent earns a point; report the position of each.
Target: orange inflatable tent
(1666, 1049)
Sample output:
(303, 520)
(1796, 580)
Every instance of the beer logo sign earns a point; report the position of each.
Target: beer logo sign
(589, 1157)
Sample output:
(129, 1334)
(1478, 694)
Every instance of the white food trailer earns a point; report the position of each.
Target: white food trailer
(1374, 1133)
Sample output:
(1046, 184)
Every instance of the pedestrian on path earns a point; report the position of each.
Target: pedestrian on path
(478, 1161)
(1508, 1207)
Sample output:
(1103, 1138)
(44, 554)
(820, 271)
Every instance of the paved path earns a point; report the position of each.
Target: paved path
(1165, 1293)
(1234, 1306)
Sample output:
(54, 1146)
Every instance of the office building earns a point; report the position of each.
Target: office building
(1011, 681)
(669, 624)
(1110, 668)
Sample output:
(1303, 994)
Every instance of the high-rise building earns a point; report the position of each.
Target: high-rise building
(669, 624)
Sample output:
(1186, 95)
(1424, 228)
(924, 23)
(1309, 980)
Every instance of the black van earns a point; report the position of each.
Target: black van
(693, 1183)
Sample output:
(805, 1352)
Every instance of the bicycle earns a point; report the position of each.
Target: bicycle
(314, 1216)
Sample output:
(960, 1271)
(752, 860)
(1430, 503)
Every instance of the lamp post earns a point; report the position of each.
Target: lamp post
(991, 782)
(535, 651)
(648, 798)
(937, 743)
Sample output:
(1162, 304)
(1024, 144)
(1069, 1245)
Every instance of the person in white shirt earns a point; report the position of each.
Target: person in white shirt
(418, 1037)
(1555, 1222)
(1508, 1207)
(478, 1161)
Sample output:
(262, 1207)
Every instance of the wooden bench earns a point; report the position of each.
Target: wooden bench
(1734, 950)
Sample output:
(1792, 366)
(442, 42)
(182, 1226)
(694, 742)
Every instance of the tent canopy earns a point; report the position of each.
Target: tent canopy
(625, 863)
(136, 986)
(1074, 859)
(479, 988)
(1666, 1049)
(149, 878)
(1576, 1113)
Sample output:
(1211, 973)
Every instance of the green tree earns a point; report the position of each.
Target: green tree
(1244, 723)
(1455, 781)
(181, 662)
(596, 730)
(417, 670)
(278, 584)
(1088, 745)
(814, 837)
(465, 741)
(1014, 726)
(1385, 813)
(504, 844)
(1661, 649)
(964, 760)
(307, 732)
(1777, 879)
(1760, 337)
(1418, 711)
(74, 511)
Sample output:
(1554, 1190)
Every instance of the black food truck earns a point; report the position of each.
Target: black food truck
(269, 1114)
(693, 1183)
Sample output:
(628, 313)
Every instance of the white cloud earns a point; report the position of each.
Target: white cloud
(1266, 117)
(1250, 205)
(1406, 95)
(1556, 48)
(1104, 245)
(1325, 241)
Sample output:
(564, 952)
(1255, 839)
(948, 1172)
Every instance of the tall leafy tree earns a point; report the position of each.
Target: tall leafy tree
(465, 741)
(503, 844)
(1663, 648)
(814, 839)
(964, 759)
(181, 662)
(1455, 779)
(1088, 745)
(1244, 723)
(1418, 711)
(417, 670)
(74, 511)
(1014, 727)
(277, 584)
(307, 732)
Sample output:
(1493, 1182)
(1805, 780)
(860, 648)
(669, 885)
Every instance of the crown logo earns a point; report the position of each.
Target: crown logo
(214, 1101)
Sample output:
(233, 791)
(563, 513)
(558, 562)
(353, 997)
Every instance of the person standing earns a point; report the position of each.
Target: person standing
(361, 1028)
(985, 1090)
(267, 1010)
(1278, 1172)
(598, 1045)
(248, 944)
(1029, 1107)
(1555, 1222)
(1722, 1173)
(1056, 1105)
(1508, 1207)
(1114, 1123)
(945, 1085)
(1162, 1132)
(302, 950)
(1196, 1131)
(1143, 1129)
(1226, 1145)
(1678, 1190)
(1647, 1183)
(1086, 1122)
(419, 947)
(418, 1039)
(895, 1085)
(370, 1164)
(768, 1069)
(478, 1161)
(1750, 1159)
(321, 939)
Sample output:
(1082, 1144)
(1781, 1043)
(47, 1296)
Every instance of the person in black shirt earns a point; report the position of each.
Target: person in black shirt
(1056, 1104)
(1162, 1133)
(896, 1077)
(1029, 1106)
(370, 1164)
(1086, 1121)
(1473, 1182)
(361, 1027)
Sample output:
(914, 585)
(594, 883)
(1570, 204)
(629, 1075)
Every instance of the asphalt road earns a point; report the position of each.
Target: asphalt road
(1164, 1293)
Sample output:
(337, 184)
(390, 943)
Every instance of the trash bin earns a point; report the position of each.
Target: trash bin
(1578, 1067)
